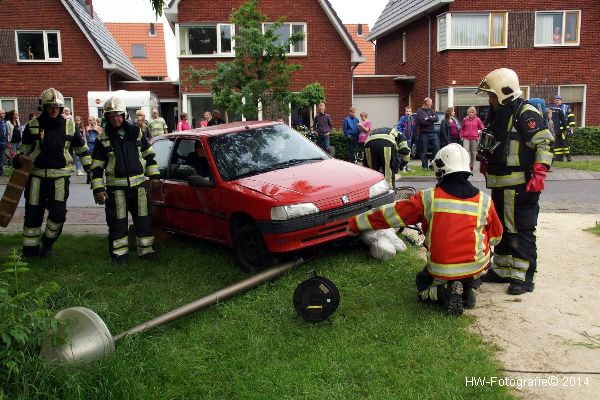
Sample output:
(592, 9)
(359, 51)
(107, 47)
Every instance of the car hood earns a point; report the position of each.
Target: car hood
(323, 183)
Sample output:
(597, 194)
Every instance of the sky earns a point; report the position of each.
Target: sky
(349, 11)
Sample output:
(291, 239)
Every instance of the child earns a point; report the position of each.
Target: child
(460, 224)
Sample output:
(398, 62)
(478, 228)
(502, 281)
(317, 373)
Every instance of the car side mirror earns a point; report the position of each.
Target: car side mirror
(200, 181)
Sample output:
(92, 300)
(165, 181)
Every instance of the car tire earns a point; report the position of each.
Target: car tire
(250, 250)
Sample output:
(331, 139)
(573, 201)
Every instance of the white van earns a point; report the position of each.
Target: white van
(144, 100)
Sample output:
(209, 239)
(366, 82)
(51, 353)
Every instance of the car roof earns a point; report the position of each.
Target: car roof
(223, 129)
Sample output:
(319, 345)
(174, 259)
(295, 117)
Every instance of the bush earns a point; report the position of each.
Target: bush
(340, 142)
(585, 141)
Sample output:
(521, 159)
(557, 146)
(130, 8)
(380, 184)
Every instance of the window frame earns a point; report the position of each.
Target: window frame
(139, 45)
(292, 53)
(583, 103)
(44, 33)
(71, 107)
(490, 14)
(564, 19)
(217, 25)
(13, 99)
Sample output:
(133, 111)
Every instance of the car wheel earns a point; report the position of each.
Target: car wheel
(250, 250)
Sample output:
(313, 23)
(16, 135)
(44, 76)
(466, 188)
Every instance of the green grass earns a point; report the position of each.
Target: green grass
(595, 229)
(380, 344)
(418, 171)
(589, 165)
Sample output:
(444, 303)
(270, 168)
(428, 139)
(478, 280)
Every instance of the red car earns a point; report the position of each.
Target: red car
(259, 187)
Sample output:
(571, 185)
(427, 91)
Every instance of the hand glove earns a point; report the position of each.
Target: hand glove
(482, 167)
(16, 162)
(536, 183)
(153, 184)
(100, 198)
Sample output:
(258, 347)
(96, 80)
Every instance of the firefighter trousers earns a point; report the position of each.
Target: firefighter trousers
(136, 201)
(515, 257)
(562, 146)
(435, 290)
(43, 194)
(380, 155)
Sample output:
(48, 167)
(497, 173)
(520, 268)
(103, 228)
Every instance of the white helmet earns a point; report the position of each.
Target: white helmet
(51, 97)
(450, 159)
(114, 105)
(504, 83)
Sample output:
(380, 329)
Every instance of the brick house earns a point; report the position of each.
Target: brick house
(61, 44)
(443, 48)
(328, 55)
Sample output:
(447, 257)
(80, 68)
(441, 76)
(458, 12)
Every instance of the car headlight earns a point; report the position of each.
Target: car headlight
(283, 213)
(379, 188)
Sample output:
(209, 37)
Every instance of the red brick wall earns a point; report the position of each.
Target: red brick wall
(81, 67)
(164, 90)
(535, 66)
(375, 85)
(328, 59)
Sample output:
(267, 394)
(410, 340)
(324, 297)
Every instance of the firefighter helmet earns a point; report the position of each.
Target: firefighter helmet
(114, 105)
(504, 83)
(52, 97)
(452, 158)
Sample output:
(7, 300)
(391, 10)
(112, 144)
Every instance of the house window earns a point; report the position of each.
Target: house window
(574, 96)
(557, 28)
(198, 104)
(8, 104)
(284, 33)
(206, 40)
(138, 51)
(441, 100)
(472, 31)
(69, 105)
(38, 46)
(404, 47)
(461, 98)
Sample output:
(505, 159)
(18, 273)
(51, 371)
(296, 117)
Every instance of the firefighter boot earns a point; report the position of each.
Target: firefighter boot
(493, 277)
(45, 251)
(569, 158)
(468, 297)
(518, 288)
(120, 260)
(454, 301)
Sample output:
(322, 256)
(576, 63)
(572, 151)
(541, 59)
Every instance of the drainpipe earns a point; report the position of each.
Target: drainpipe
(429, 59)
(109, 81)
(352, 86)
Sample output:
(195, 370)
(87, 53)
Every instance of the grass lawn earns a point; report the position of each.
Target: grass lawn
(589, 165)
(418, 171)
(380, 344)
(595, 229)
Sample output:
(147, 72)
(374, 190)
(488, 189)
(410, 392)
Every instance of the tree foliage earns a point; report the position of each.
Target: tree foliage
(157, 6)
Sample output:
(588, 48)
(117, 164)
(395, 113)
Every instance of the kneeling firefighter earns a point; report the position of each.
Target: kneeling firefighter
(48, 141)
(122, 153)
(460, 224)
(387, 151)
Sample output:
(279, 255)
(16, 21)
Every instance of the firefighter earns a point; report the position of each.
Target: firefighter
(387, 151)
(123, 154)
(564, 123)
(458, 243)
(48, 141)
(515, 153)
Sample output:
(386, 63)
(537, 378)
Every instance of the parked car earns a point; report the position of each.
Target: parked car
(261, 188)
(414, 151)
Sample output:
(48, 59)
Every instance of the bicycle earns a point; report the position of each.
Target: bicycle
(418, 237)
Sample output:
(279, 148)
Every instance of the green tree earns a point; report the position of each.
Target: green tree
(157, 6)
(259, 71)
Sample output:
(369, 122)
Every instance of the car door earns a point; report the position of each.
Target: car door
(192, 210)
(162, 148)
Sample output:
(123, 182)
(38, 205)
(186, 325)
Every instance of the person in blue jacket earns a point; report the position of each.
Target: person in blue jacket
(351, 130)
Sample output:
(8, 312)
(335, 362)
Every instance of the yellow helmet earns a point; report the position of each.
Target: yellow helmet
(52, 97)
(504, 83)
(114, 105)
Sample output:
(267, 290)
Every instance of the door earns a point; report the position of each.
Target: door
(382, 109)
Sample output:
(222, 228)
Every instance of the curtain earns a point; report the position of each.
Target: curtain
(470, 30)
(544, 28)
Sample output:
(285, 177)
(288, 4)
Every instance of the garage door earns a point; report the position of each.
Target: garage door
(382, 109)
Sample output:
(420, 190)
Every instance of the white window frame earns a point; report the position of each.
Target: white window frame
(564, 20)
(13, 99)
(583, 104)
(72, 107)
(218, 54)
(403, 47)
(448, 33)
(45, 38)
(449, 91)
(291, 52)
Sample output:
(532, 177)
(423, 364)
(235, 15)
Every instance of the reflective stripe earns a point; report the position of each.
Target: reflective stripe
(502, 260)
(81, 149)
(530, 107)
(427, 200)
(520, 264)
(152, 170)
(368, 156)
(121, 246)
(54, 172)
(460, 269)
(31, 241)
(53, 229)
(86, 160)
(97, 183)
(132, 182)
(509, 211)
(391, 215)
(110, 166)
(59, 189)
(142, 202)
(456, 207)
(363, 223)
(148, 151)
(384, 136)
(513, 154)
(32, 232)
(387, 170)
(513, 179)
(34, 191)
(98, 163)
(24, 148)
(120, 204)
(518, 275)
(145, 241)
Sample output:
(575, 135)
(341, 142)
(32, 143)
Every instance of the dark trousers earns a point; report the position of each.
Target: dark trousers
(425, 139)
(352, 146)
(515, 257)
(434, 290)
(137, 202)
(43, 194)
(380, 155)
(2, 149)
(562, 146)
(324, 141)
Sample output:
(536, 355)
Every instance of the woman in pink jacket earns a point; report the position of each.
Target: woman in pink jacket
(469, 133)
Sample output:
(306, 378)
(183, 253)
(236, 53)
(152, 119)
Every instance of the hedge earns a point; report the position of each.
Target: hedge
(585, 141)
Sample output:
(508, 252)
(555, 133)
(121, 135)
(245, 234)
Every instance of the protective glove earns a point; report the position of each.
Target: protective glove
(153, 184)
(100, 198)
(536, 183)
(482, 167)
(16, 162)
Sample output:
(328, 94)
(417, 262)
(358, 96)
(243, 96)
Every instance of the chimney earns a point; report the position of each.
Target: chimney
(90, 7)
(359, 30)
(152, 29)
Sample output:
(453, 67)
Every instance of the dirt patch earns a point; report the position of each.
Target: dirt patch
(557, 327)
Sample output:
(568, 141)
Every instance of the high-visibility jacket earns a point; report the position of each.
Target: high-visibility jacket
(396, 138)
(524, 140)
(458, 232)
(125, 161)
(50, 147)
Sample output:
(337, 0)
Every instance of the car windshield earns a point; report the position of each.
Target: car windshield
(259, 150)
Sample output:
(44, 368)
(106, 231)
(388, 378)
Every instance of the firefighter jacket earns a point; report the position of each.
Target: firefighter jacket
(458, 232)
(124, 160)
(524, 139)
(396, 138)
(568, 113)
(49, 142)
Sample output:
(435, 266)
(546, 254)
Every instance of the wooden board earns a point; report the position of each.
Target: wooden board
(14, 190)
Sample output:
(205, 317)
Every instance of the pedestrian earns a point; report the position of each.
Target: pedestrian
(125, 157)
(351, 131)
(79, 130)
(183, 124)
(365, 131)
(323, 126)
(140, 121)
(550, 123)
(47, 140)
(15, 133)
(564, 123)
(157, 124)
(215, 118)
(515, 167)
(426, 119)
(4, 139)
(471, 127)
(406, 125)
(450, 127)
(207, 117)
(459, 242)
